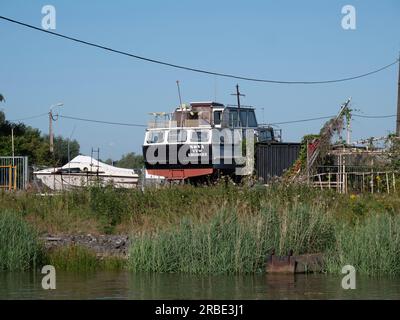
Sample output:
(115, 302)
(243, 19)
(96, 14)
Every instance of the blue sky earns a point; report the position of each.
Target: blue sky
(288, 40)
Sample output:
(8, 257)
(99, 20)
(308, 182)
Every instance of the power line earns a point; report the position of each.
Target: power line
(375, 117)
(29, 118)
(195, 69)
(104, 122)
(144, 126)
(274, 123)
(329, 117)
(302, 120)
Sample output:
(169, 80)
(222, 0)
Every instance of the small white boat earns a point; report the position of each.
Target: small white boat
(83, 171)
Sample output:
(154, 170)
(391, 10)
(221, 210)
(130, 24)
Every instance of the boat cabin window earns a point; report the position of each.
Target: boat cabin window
(199, 136)
(217, 117)
(243, 118)
(233, 118)
(252, 121)
(155, 137)
(266, 135)
(247, 118)
(177, 136)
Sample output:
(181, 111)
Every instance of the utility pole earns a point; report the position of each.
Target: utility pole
(51, 135)
(398, 103)
(238, 95)
(51, 131)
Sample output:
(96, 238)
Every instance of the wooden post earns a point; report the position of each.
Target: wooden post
(378, 183)
(372, 182)
(394, 182)
(344, 176)
(9, 177)
(329, 180)
(363, 182)
(387, 182)
(15, 177)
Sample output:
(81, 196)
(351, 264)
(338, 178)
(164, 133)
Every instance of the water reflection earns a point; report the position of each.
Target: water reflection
(126, 285)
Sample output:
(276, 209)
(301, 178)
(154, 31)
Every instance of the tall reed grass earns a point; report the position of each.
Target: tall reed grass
(19, 245)
(230, 243)
(372, 246)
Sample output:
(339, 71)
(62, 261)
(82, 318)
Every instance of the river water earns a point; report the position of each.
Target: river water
(126, 285)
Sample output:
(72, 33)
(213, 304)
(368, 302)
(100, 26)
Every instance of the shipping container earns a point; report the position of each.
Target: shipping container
(273, 159)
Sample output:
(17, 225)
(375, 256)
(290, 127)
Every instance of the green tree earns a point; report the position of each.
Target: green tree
(109, 161)
(27, 141)
(130, 160)
(61, 149)
(30, 142)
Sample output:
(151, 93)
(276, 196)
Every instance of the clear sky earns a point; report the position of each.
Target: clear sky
(288, 40)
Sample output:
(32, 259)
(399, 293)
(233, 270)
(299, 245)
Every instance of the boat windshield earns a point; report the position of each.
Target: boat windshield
(177, 136)
(155, 137)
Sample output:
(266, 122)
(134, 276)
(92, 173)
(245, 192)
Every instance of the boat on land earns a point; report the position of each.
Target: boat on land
(203, 140)
(83, 171)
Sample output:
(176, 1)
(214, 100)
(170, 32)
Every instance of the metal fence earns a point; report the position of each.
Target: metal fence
(272, 160)
(13, 173)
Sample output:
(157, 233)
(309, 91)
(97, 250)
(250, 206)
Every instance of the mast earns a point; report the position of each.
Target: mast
(238, 95)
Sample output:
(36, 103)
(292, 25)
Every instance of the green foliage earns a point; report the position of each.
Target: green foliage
(394, 151)
(61, 149)
(108, 205)
(19, 246)
(130, 161)
(301, 161)
(30, 142)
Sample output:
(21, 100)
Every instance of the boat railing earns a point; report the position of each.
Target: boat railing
(187, 123)
(159, 124)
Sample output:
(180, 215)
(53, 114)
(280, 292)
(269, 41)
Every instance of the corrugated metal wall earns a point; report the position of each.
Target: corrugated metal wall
(273, 159)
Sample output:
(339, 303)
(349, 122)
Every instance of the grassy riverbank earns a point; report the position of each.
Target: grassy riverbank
(219, 229)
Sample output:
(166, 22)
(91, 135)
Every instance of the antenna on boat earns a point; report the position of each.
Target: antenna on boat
(263, 115)
(238, 95)
(215, 89)
(179, 93)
